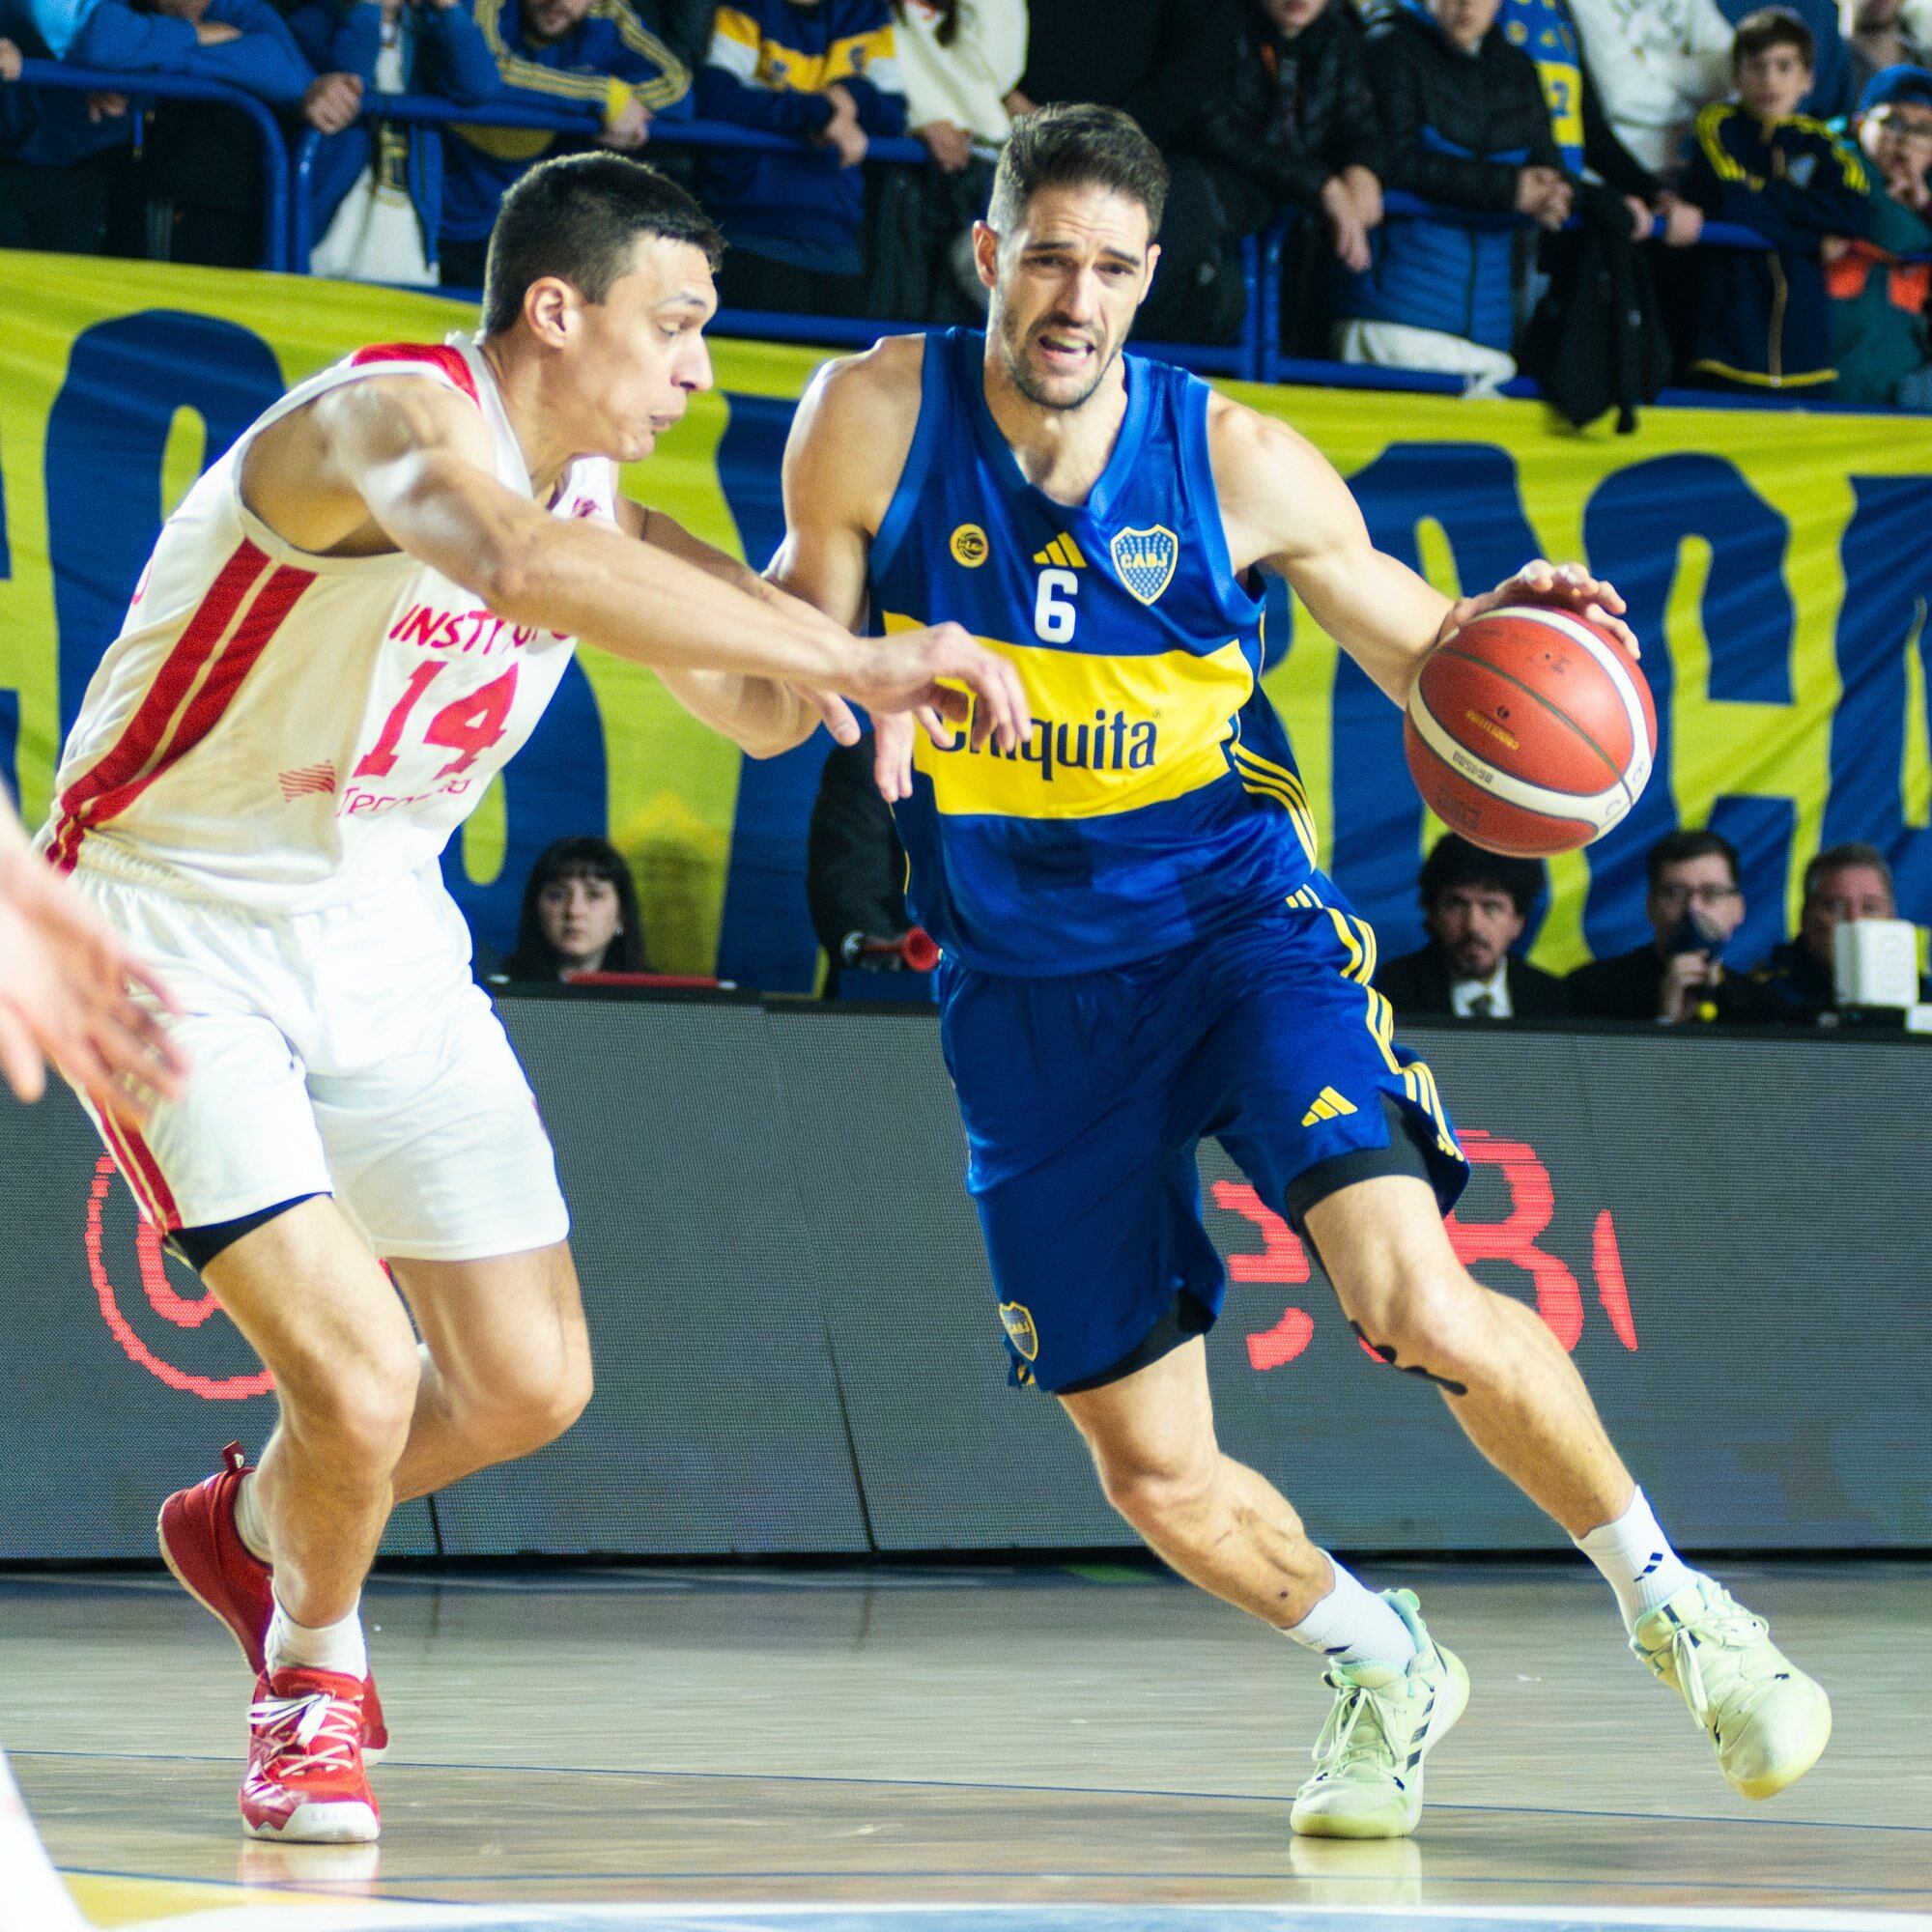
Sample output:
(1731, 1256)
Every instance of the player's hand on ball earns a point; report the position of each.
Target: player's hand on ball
(923, 672)
(66, 995)
(1568, 586)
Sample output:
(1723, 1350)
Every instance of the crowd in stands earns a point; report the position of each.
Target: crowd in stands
(1554, 143)
(1476, 909)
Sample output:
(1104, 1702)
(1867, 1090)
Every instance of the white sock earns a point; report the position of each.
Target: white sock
(1352, 1625)
(248, 1521)
(336, 1646)
(1636, 1560)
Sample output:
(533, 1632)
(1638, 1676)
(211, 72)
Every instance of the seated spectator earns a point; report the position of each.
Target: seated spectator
(1841, 883)
(1880, 36)
(1879, 344)
(57, 149)
(591, 59)
(1287, 124)
(825, 73)
(1834, 92)
(854, 868)
(1695, 905)
(375, 188)
(1655, 66)
(1474, 908)
(1465, 125)
(579, 915)
(1765, 320)
(960, 62)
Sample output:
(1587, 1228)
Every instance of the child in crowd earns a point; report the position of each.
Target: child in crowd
(1766, 319)
(1879, 340)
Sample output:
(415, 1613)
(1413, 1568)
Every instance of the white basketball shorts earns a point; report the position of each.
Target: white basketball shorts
(344, 1052)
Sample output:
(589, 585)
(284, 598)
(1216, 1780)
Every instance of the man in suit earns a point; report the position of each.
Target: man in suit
(1474, 907)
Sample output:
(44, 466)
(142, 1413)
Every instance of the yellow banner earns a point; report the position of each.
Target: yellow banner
(1778, 566)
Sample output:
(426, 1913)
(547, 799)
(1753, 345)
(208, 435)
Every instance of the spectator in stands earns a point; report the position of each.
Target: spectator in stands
(375, 188)
(1158, 61)
(1655, 65)
(1766, 320)
(854, 866)
(1833, 93)
(825, 72)
(592, 61)
(1474, 908)
(1466, 126)
(1841, 883)
(1879, 344)
(1880, 36)
(200, 172)
(57, 149)
(960, 62)
(1285, 124)
(1695, 905)
(579, 915)
(1546, 30)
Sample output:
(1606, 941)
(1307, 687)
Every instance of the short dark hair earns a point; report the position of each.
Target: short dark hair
(577, 217)
(1772, 27)
(1675, 847)
(1841, 859)
(583, 857)
(1077, 144)
(1453, 861)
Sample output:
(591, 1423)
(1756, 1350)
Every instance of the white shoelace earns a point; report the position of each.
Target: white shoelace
(1338, 1746)
(1732, 1625)
(313, 1733)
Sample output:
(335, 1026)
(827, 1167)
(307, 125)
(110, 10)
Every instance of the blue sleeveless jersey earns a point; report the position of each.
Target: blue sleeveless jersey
(1157, 800)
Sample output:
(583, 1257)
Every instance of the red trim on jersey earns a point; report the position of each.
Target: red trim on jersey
(144, 733)
(451, 361)
(136, 1158)
(160, 733)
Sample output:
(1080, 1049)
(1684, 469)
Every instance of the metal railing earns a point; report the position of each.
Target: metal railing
(145, 87)
(289, 157)
(1240, 358)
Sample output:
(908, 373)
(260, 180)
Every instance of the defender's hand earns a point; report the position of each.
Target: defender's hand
(1566, 586)
(906, 674)
(66, 994)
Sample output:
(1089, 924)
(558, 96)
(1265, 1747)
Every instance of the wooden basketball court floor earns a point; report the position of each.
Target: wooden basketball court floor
(862, 1749)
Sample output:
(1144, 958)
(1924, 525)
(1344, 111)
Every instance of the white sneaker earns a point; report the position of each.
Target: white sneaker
(1368, 1760)
(1767, 1721)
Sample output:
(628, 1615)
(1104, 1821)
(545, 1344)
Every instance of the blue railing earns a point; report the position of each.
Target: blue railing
(1237, 358)
(144, 87)
(288, 164)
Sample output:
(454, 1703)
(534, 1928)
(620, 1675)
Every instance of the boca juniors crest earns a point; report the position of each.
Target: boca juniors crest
(1145, 560)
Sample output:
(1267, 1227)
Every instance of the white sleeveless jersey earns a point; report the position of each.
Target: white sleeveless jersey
(287, 731)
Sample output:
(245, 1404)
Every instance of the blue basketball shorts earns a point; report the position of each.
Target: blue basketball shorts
(1085, 1096)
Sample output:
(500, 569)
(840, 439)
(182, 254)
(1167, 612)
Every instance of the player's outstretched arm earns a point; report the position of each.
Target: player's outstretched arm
(763, 715)
(848, 446)
(1287, 511)
(67, 986)
(402, 462)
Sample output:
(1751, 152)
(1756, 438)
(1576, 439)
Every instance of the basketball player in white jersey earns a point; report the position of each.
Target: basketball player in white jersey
(352, 620)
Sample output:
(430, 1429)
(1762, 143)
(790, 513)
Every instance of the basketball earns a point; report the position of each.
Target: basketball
(1532, 731)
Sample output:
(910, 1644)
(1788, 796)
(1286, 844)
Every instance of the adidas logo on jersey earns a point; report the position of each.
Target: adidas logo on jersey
(1064, 552)
(1328, 1105)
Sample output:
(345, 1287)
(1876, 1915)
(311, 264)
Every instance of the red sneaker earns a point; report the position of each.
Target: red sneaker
(203, 1548)
(305, 1783)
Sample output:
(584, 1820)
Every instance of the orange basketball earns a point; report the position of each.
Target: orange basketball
(1530, 732)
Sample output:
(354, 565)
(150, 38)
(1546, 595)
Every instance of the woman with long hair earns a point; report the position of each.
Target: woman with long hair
(579, 915)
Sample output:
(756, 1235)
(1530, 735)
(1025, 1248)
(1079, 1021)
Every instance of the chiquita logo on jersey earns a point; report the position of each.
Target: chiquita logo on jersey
(1110, 733)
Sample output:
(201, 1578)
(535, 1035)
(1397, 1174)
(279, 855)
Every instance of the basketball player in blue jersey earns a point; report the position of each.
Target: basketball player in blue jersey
(1139, 948)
